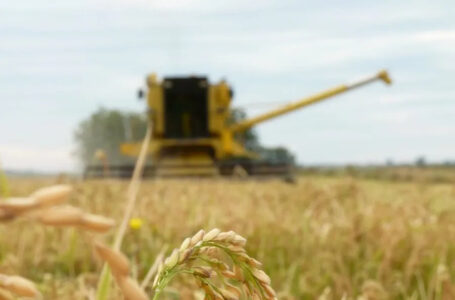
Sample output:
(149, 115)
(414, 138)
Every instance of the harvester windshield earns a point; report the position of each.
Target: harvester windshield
(185, 107)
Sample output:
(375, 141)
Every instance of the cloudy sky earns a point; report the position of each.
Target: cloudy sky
(61, 60)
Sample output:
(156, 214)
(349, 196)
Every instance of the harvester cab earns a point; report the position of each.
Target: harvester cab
(185, 108)
(191, 134)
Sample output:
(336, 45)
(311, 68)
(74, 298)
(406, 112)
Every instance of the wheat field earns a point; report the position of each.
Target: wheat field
(321, 238)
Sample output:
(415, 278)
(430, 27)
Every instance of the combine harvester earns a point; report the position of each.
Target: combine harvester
(191, 134)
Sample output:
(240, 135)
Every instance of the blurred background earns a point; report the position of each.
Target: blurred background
(372, 217)
(62, 61)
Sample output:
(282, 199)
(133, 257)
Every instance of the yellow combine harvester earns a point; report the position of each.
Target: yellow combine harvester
(192, 136)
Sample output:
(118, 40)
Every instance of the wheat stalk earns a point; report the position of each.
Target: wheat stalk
(133, 189)
(154, 268)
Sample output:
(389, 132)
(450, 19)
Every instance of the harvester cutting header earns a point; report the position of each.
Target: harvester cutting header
(191, 133)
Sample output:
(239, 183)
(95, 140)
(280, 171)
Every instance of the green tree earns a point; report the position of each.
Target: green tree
(421, 162)
(250, 139)
(106, 129)
(277, 155)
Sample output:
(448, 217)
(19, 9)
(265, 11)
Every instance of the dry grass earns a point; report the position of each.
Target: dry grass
(323, 237)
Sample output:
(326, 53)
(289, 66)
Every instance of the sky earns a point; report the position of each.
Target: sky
(62, 60)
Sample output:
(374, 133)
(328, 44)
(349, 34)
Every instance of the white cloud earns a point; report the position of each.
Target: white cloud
(185, 6)
(435, 36)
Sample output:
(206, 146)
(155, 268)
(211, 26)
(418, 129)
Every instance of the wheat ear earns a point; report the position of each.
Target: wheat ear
(44, 206)
(40, 199)
(19, 286)
(242, 277)
(120, 268)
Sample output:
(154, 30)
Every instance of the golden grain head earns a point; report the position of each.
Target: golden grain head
(268, 289)
(5, 295)
(197, 237)
(225, 236)
(61, 216)
(239, 240)
(261, 276)
(228, 295)
(229, 274)
(236, 248)
(217, 296)
(172, 260)
(52, 195)
(6, 215)
(210, 249)
(234, 290)
(19, 286)
(255, 296)
(211, 234)
(254, 263)
(131, 289)
(18, 205)
(116, 260)
(185, 255)
(204, 272)
(239, 276)
(185, 244)
(96, 223)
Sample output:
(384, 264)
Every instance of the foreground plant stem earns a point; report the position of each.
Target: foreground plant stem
(133, 189)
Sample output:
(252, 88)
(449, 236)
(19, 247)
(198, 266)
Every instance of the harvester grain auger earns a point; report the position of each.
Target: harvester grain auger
(191, 135)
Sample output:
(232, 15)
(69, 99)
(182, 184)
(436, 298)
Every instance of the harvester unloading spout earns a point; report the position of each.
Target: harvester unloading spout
(191, 134)
(318, 97)
(381, 75)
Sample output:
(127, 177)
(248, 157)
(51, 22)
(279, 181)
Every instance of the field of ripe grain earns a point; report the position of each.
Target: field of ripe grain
(321, 238)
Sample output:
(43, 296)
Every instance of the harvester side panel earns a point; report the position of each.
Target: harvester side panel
(219, 102)
(155, 103)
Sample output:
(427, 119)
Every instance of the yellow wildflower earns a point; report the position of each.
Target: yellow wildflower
(136, 223)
